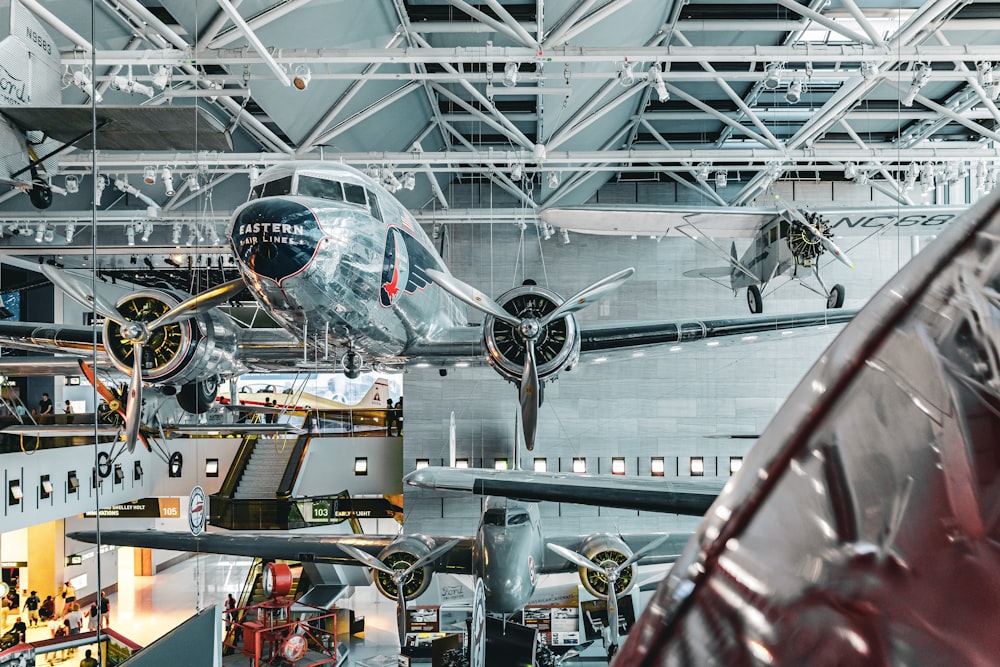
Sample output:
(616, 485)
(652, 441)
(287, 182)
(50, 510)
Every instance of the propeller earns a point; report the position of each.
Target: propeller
(823, 239)
(611, 572)
(530, 330)
(137, 332)
(399, 577)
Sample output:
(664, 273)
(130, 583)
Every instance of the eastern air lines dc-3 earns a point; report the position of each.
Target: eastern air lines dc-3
(356, 284)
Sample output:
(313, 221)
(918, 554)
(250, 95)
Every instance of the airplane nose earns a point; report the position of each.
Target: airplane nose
(276, 238)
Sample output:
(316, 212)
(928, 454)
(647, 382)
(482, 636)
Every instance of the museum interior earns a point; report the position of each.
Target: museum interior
(602, 247)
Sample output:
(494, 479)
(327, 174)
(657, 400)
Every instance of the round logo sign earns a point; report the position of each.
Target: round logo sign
(477, 642)
(197, 511)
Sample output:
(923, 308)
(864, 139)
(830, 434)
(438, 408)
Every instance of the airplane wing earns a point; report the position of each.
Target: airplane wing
(666, 552)
(63, 338)
(39, 365)
(140, 128)
(61, 430)
(654, 494)
(230, 429)
(306, 548)
(742, 222)
(863, 524)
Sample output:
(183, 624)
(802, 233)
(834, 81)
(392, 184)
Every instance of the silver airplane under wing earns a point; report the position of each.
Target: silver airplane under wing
(863, 526)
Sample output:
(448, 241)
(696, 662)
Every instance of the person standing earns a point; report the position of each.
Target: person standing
(105, 610)
(390, 415)
(31, 604)
(74, 618)
(92, 617)
(68, 410)
(398, 415)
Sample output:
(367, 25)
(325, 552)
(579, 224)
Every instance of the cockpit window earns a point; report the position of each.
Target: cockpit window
(355, 194)
(310, 186)
(280, 186)
(517, 518)
(494, 517)
(373, 206)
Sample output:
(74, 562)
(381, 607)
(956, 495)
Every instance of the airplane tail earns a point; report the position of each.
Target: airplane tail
(376, 396)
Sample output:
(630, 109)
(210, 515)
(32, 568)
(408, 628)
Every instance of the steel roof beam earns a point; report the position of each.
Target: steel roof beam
(213, 28)
(255, 42)
(515, 136)
(826, 22)
(491, 22)
(585, 24)
(58, 24)
(269, 15)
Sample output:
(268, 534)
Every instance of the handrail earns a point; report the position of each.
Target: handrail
(295, 460)
(238, 467)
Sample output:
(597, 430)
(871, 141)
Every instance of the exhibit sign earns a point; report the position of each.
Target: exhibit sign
(197, 511)
(144, 508)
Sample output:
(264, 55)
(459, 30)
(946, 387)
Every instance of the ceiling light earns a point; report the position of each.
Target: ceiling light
(175, 235)
(721, 178)
(657, 82)
(984, 72)
(72, 184)
(772, 78)
(99, 184)
(921, 75)
(254, 173)
(130, 234)
(869, 70)
(70, 231)
(579, 465)
(794, 92)
(850, 170)
(546, 232)
(510, 71)
(912, 172)
(149, 175)
(703, 169)
(147, 229)
(565, 236)
(82, 81)
(436, 231)
(516, 171)
(192, 181)
(50, 235)
(553, 180)
(40, 232)
(302, 77)
(131, 86)
(162, 77)
(167, 177)
(409, 180)
(626, 74)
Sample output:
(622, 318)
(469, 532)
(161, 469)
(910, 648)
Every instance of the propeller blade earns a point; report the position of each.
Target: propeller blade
(574, 557)
(198, 303)
(133, 410)
(588, 295)
(634, 558)
(400, 610)
(81, 293)
(430, 558)
(529, 395)
(367, 559)
(612, 610)
(828, 243)
(470, 295)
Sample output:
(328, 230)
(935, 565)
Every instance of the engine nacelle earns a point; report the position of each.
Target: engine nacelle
(556, 348)
(604, 549)
(399, 555)
(188, 354)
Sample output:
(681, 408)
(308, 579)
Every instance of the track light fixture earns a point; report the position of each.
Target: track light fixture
(927, 177)
(794, 92)
(70, 231)
(772, 76)
(149, 175)
(553, 180)
(130, 234)
(72, 184)
(147, 229)
(703, 170)
(100, 183)
(303, 75)
(409, 180)
(869, 70)
(565, 236)
(175, 234)
(516, 171)
(912, 172)
(254, 173)
(984, 73)
(850, 170)
(167, 176)
(82, 81)
(436, 231)
(510, 71)
(921, 75)
(131, 86)
(655, 76)
(40, 232)
(192, 181)
(161, 79)
(721, 178)
(626, 74)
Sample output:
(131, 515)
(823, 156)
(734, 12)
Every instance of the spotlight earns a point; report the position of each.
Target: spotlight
(565, 236)
(538, 152)
(82, 81)
(149, 175)
(254, 173)
(772, 78)
(553, 180)
(703, 169)
(131, 86)
(850, 170)
(927, 177)
(794, 92)
(167, 177)
(912, 172)
(436, 231)
(137, 471)
(510, 71)
(40, 232)
(149, 263)
(984, 73)
(147, 229)
(70, 231)
(100, 183)
(921, 76)
(302, 77)
(657, 82)
(175, 236)
(409, 180)
(869, 70)
(50, 235)
(546, 232)
(72, 184)
(626, 74)
(192, 181)
(130, 234)
(721, 178)
(516, 171)
(162, 77)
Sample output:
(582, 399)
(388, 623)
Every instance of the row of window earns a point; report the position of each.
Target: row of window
(323, 188)
(657, 465)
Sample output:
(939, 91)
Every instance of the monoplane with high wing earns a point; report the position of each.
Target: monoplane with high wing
(356, 285)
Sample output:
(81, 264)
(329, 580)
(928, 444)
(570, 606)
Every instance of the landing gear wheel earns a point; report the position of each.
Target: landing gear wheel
(40, 196)
(198, 397)
(754, 300)
(103, 464)
(836, 298)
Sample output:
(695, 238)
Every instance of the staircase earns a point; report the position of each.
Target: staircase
(265, 469)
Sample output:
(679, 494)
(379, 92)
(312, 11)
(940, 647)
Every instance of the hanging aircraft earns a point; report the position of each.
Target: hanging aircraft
(785, 242)
(348, 273)
(507, 554)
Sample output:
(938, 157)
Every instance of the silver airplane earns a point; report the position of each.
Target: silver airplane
(507, 554)
(349, 274)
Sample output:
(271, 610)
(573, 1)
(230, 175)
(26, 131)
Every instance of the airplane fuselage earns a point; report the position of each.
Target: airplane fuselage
(336, 259)
(508, 553)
